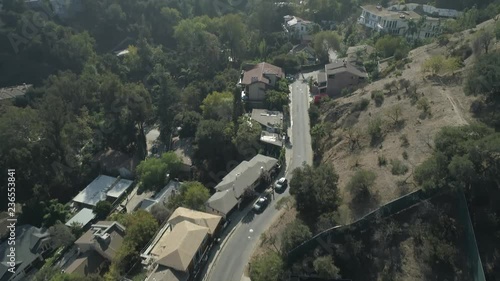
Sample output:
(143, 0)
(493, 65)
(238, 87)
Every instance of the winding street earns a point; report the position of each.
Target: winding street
(230, 261)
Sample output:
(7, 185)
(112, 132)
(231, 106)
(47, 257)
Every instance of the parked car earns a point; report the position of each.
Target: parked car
(261, 204)
(281, 184)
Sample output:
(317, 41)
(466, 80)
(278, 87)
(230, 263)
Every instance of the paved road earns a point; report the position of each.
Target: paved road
(235, 254)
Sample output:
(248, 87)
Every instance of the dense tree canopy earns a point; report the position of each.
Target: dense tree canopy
(315, 191)
(191, 195)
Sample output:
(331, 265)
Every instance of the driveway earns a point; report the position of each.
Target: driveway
(230, 261)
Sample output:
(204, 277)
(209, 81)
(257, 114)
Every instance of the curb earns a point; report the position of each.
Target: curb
(216, 256)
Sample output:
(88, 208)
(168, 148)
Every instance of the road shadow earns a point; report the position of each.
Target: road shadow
(249, 217)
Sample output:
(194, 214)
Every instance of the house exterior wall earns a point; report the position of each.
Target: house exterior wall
(272, 79)
(399, 26)
(256, 91)
(341, 81)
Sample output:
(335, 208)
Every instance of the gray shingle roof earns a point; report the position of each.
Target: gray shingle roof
(234, 184)
(28, 240)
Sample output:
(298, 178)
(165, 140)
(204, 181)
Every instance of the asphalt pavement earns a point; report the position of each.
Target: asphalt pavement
(230, 261)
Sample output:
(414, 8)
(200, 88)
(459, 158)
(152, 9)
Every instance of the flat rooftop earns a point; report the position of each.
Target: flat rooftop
(83, 217)
(268, 117)
(95, 191)
(385, 13)
(119, 188)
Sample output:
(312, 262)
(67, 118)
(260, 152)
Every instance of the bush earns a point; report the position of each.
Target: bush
(361, 105)
(405, 155)
(404, 140)
(398, 167)
(424, 105)
(382, 161)
(378, 97)
(476, 107)
(375, 129)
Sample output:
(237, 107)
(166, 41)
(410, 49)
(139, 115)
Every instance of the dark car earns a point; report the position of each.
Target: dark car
(261, 204)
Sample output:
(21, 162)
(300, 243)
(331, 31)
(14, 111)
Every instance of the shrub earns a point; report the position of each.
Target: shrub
(382, 161)
(398, 167)
(405, 155)
(476, 107)
(424, 105)
(361, 105)
(375, 129)
(378, 97)
(404, 140)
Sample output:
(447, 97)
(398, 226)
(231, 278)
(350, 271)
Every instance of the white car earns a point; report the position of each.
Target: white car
(281, 184)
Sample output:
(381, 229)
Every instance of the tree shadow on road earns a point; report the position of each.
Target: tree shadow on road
(248, 218)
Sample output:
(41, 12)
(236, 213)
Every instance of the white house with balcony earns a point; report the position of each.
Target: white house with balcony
(298, 28)
(406, 22)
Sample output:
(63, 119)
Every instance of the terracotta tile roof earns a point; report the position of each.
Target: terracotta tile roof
(257, 73)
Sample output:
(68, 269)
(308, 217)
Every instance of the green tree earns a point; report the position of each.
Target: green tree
(307, 182)
(218, 106)
(61, 235)
(188, 121)
(213, 141)
(268, 266)
(247, 137)
(275, 100)
(152, 172)
(388, 45)
(102, 209)
(293, 235)
(54, 212)
(324, 41)
(360, 183)
(484, 77)
(482, 41)
(325, 268)
(191, 195)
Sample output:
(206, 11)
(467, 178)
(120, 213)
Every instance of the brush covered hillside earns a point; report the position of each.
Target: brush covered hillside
(388, 126)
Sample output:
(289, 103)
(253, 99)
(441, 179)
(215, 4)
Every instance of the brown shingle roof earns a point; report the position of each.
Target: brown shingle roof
(344, 66)
(182, 244)
(257, 73)
(200, 218)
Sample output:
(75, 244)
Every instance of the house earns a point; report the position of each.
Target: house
(31, 246)
(272, 125)
(258, 79)
(271, 121)
(427, 10)
(83, 218)
(298, 28)
(399, 22)
(244, 177)
(359, 53)
(339, 75)
(200, 218)
(97, 248)
(102, 188)
(13, 92)
(305, 52)
(161, 197)
(114, 162)
(180, 246)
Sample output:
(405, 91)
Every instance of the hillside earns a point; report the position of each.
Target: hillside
(407, 131)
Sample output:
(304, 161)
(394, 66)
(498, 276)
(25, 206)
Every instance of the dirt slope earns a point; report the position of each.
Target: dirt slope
(448, 106)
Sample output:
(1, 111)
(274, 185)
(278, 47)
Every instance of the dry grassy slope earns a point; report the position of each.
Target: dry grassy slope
(449, 107)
